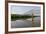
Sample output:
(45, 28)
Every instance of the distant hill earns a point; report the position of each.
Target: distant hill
(29, 13)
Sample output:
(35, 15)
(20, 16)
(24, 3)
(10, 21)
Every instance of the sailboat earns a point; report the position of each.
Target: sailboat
(32, 17)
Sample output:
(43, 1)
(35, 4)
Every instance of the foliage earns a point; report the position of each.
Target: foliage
(16, 17)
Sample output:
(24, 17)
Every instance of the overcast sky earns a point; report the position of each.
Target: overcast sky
(23, 9)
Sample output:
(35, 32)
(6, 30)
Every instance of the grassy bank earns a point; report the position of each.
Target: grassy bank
(16, 17)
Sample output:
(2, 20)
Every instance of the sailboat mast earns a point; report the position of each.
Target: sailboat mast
(32, 17)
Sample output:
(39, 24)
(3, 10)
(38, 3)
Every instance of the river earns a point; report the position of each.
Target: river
(26, 23)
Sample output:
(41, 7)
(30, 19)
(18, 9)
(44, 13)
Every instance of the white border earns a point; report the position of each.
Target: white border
(23, 29)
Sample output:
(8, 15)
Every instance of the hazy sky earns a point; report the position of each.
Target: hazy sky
(23, 9)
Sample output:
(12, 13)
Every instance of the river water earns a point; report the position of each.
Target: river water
(26, 23)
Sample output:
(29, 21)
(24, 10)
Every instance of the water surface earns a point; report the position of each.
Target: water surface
(21, 23)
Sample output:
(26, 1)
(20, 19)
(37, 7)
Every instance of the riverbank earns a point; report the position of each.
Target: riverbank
(16, 17)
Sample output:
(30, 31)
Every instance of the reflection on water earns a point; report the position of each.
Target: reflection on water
(26, 23)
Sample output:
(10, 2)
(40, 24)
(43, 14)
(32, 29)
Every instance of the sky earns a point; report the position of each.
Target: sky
(15, 9)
